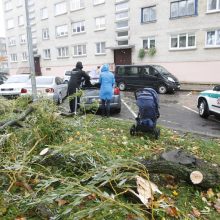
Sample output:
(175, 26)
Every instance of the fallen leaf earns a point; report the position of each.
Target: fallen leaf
(210, 193)
(217, 205)
(196, 213)
(20, 218)
(61, 202)
(172, 211)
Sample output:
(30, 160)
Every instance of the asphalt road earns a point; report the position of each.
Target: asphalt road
(177, 111)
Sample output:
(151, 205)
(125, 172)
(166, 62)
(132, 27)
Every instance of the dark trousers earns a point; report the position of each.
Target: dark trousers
(74, 102)
(106, 107)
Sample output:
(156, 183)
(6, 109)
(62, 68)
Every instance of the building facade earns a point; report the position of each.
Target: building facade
(181, 35)
(3, 55)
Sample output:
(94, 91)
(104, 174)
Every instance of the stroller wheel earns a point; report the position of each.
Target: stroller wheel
(132, 130)
(157, 133)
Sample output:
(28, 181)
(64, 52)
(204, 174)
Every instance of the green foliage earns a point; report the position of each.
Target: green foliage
(141, 53)
(151, 51)
(90, 170)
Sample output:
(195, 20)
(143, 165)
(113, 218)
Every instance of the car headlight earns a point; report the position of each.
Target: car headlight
(170, 79)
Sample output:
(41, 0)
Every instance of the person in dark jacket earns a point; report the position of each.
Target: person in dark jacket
(76, 78)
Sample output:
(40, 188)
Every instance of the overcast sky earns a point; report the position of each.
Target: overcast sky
(2, 26)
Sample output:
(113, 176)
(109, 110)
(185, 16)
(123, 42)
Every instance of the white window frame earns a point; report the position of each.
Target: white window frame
(10, 23)
(44, 13)
(118, 9)
(150, 12)
(22, 39)
(11, 41)
(217, 9)
(24, 56)
(149, 39)
(98, 2)
(62, 52)
(122, 41)
(13, 58)
(215, 40)
(63, 33)
(80, 50)
(19, 3)
(46, 54)
(45, 34)
(20, 20)
(77, 5)
(100, 48)
(8, 5)
(79, 27)
(62, 10)
(178, 41)
(100, 23)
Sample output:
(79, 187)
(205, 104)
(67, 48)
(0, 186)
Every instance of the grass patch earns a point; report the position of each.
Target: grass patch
(90, 169)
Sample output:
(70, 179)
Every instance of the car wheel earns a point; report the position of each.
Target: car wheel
(203, 109)
(60, 99)
(162, 89)
(122, 86)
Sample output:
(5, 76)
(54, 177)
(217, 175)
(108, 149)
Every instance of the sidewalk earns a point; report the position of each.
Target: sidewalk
(195, 87)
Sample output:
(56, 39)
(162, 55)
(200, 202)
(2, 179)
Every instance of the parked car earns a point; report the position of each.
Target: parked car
(13, 85)
(51, 87)
(3, 77)
(91, 95)
(209, 102)
(141, 76)
(67, 75)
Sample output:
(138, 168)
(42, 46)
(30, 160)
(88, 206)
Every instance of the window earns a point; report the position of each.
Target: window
(60, 8)
(63, 52)
(13, 57)
(46, 54)
(44, 13)
(100, 48)
(20, 20)
(183, 8)
(122, 34)
(124, 42)
(78, 27)
(122, 24)
(149, 43)
(100, 22)
(97, 2)
(148, 14)
(76, 4)
(213, 38)
(24, 56)
(62, 30)
(121, 6)
(10, 23)
(8, 5)
(22, 39)
(213, 5)
(79, 50)
(11, 41)
(183, 41)
(121, 15)
(45, 34)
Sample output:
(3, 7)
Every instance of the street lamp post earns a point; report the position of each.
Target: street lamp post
(30, 53)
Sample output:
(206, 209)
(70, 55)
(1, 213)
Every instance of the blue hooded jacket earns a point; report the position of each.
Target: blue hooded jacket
(107, 81)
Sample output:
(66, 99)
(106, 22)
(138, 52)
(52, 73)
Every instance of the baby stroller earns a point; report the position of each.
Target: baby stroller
(148, 104)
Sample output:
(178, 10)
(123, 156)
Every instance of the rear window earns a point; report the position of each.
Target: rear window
(18, 79)
(128, 70)
(42, 81)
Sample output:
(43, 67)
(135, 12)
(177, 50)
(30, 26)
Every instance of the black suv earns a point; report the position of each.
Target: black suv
(141, 76)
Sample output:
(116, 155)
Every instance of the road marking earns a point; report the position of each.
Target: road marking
(171, 122)
(190, 109)
(128, 107)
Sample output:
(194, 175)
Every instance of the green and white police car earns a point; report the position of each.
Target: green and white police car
(209, 102)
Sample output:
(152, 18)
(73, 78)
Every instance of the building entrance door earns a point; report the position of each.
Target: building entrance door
(122, 57)
(37, 66)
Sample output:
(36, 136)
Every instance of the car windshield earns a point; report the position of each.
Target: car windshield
(43, 81)
(161, 69)
(17, 79)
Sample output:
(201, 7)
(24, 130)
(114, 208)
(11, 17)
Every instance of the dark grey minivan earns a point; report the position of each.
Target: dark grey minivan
(141, 76)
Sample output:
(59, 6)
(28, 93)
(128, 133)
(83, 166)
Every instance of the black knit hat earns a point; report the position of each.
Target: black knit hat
(79, 65)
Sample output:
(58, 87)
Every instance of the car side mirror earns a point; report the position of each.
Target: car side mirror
(216, 88)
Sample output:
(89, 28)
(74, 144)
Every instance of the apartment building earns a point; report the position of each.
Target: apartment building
(3, 55)
(181, 35)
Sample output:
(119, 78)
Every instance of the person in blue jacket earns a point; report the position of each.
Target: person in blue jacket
(107, 81)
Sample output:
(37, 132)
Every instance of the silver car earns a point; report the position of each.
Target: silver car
(13, 85)
(91, 95)
(51, 87)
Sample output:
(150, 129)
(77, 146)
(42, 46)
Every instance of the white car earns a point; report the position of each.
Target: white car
(51, 87)
(13, 85)
(67, 75)
(209, 102)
